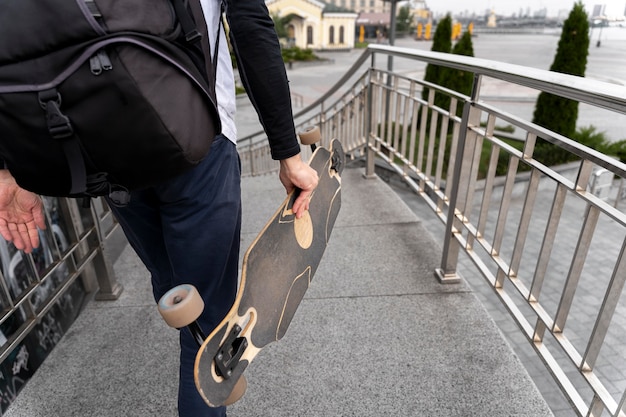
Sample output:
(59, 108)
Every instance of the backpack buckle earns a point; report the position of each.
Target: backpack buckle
(59, 125)
(193, 36)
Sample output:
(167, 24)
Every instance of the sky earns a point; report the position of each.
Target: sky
(508, 7)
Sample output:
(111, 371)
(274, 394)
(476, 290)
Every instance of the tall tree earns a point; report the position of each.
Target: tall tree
(455, 79)
(442, 42)
(557, 113)
(281, 23)
(404, 20)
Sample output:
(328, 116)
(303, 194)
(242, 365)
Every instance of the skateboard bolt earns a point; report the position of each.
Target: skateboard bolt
(177, 299)
(229, 372)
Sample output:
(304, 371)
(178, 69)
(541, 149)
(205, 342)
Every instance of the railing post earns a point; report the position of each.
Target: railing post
(461, 181)
(109, 288)
(369, 152)
(90, 254)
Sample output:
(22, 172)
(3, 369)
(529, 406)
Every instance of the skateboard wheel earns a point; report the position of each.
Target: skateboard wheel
(310, 135)
(237, 392)
(181, 306)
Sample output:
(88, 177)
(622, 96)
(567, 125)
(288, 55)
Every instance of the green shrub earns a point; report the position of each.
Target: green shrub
(557, 113)
(545, 152)
(442, 42)
(295, 53)
(456, 79)
(617, 149)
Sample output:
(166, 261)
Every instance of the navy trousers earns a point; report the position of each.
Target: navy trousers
(187, 230)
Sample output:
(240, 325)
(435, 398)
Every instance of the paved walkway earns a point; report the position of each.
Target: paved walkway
(368, 370)
(376, 334)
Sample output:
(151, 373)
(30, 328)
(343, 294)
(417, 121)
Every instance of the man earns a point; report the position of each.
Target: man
(186, 230)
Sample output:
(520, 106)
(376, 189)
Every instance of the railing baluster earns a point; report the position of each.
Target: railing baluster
(576, 267)
(524, 224)
(504, 206)
(422, 139)
(413, 135)
(548, 242)
(483, 215)
(609, 304)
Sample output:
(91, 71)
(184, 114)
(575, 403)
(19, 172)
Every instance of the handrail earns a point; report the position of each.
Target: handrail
(602, 94)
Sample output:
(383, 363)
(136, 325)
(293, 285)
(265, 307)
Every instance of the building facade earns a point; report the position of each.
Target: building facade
(315, 24)
(363, 6)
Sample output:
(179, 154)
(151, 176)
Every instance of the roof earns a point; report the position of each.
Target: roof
(373, 19)
(332, 8)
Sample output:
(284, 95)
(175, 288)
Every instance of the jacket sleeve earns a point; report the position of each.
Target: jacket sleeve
(263, 72)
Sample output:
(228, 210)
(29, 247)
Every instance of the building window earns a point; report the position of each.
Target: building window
(341, 33)
(331, 35)
(309, 35)
(291, 35)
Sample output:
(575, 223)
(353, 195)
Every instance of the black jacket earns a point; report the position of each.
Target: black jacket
(263, 72)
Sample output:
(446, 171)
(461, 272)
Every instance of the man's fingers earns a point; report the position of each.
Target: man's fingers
(22, 236)
(17, 241)
(5, 232)
(39, 218)
(302, 203)
(33, 235)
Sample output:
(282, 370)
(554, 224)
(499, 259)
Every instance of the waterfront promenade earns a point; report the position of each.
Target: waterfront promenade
(308, 84)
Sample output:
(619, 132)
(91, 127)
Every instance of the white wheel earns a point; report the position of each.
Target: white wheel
(181, 306)
(310, 135)
(238, 391)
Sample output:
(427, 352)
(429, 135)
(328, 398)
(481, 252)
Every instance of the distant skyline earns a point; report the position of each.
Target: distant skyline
(507, 7)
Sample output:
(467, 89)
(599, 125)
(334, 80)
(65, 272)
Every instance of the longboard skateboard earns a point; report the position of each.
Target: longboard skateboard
(277, 270)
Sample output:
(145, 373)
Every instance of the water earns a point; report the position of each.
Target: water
(606, 63)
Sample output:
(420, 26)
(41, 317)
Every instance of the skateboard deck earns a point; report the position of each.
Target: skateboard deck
(277, 270)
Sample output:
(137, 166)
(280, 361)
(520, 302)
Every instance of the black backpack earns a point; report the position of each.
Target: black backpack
(98, 97)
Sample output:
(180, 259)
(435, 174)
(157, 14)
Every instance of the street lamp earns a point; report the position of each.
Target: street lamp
(392, 30)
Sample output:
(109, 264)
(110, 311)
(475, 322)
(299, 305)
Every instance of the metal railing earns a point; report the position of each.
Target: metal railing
(550, 241)
(41, 293)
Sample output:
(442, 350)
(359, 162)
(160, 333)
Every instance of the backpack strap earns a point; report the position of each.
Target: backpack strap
(60, 128)
(210, 62)
(187, 23)
(93, 9)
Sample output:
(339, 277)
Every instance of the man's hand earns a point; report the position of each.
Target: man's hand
(294, 173)
(21, 213)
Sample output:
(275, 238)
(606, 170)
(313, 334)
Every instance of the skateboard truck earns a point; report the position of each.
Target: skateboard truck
(181, 307)
(337, 161)
(230, 352)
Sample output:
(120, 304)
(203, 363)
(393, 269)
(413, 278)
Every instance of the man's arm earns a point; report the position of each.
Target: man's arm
(263, 72)
(21, 213)
(264, 76)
